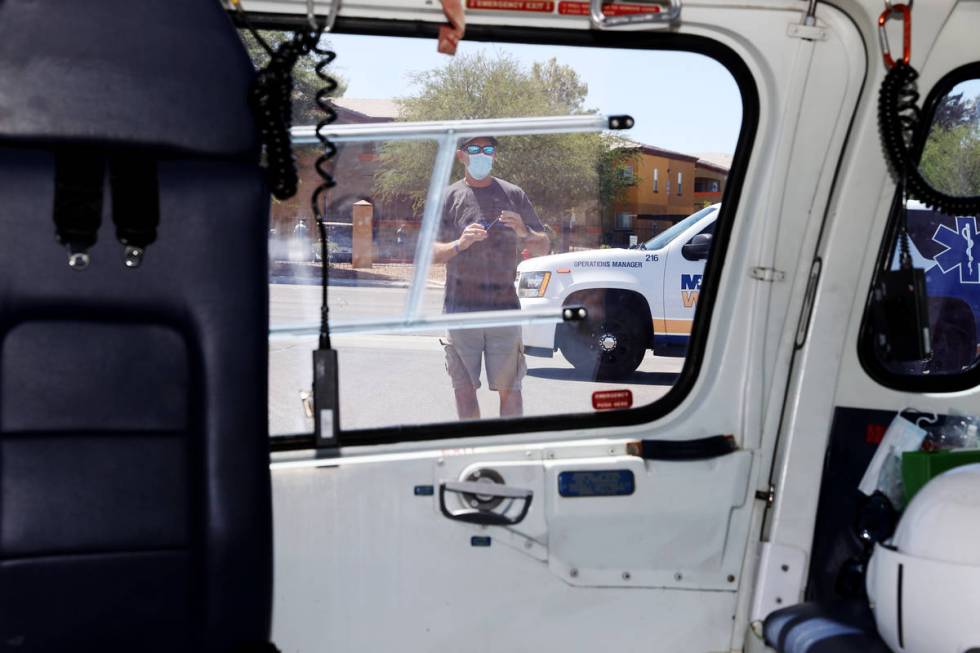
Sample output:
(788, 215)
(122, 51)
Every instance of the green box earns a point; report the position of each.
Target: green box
(919, 467)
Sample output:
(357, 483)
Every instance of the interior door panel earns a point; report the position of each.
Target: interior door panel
(365, 563)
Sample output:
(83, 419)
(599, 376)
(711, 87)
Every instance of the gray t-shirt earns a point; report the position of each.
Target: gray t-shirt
(481, 277)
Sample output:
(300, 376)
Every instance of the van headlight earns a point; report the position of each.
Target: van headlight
(533, 284)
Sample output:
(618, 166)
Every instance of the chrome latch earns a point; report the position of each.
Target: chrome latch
(807, 32)
(769, 496)
(770, 275)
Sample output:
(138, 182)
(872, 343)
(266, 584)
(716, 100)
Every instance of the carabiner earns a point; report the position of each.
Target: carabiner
(886, 52)
(314, 22)
(311, 15)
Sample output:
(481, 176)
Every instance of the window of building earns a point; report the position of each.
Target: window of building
(375, 216)
(680, 182)
(626, 173)
(943, 250)
(704, 185)
(624, 221)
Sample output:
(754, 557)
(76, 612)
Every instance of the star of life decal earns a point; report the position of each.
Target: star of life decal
(962, 249)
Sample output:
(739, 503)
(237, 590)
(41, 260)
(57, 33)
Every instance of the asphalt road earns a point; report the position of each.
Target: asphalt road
(401, 379)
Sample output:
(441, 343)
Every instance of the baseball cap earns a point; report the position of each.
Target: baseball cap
(493, 141)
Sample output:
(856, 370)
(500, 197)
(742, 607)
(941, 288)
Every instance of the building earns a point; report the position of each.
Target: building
(356, 165)
(662, 187)
(711, 173)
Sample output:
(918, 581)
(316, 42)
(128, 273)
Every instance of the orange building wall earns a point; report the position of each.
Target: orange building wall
(641, 200)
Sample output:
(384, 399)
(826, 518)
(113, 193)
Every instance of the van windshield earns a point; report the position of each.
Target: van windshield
(663, 239)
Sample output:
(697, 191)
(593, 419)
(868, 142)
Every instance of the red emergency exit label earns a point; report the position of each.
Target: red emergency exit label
(610, 399)
(609, 9)
(536, 6)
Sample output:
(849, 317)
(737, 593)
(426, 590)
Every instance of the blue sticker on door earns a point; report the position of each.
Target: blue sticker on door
(606, 483)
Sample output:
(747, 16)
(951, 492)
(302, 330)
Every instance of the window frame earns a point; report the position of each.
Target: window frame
(918, 383)
(656, 180)
(627, 174)
(666, 41)
(624, 221)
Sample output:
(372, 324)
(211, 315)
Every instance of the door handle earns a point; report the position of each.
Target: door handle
(484, 517)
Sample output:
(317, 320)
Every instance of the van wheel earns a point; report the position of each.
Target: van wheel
(611, 342)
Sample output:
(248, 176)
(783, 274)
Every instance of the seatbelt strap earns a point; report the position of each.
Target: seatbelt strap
(78, 179)
(135, 203)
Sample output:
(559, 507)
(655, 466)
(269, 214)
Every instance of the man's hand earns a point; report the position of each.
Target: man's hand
(473, 233)
(442, 252)
(514, 221)
(537, 243)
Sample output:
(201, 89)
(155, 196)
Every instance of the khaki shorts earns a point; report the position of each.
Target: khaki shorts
(501, 346)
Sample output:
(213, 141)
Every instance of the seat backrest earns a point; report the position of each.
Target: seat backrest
(135, 509)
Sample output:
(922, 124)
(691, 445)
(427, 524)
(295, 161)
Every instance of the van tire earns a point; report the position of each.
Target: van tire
(612, 341)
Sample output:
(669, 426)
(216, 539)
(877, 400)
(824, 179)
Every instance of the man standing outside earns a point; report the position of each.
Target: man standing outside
(485, 222)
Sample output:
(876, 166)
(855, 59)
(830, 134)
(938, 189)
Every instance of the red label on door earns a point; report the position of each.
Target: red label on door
(609, 9)
(612, 399)
(536, 6)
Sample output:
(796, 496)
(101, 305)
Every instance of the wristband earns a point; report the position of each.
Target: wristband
(456, 247)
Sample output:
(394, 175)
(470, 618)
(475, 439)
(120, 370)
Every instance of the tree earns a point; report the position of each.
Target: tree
(951, 159)
(558, 172)
(305, 80)
(953, 111)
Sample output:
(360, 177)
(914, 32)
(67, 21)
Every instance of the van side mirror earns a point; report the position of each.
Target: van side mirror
(697, 248)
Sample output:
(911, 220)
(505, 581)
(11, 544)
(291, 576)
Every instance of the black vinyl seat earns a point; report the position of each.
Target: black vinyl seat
(845, 627)
(135, 510)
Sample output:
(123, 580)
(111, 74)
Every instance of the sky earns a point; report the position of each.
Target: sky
(681, 101)
(970, 89)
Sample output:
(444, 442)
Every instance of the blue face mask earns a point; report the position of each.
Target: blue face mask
(479, 166)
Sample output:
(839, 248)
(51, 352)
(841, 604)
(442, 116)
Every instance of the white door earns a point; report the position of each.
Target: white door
(634, 528)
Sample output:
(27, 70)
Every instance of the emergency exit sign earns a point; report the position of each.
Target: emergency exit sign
(535, 6)
(612, 399)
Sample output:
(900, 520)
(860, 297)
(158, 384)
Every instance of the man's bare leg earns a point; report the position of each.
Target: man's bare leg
(466, 404)
(511, 403)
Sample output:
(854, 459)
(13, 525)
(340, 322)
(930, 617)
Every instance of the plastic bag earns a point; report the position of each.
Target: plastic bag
(884, 472)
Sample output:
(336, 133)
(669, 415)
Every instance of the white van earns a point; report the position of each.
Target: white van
(638, 299)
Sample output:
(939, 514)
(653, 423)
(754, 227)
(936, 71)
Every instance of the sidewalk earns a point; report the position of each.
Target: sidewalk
(342, 274)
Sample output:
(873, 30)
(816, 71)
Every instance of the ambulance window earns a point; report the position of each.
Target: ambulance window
(528, 225)
(945, 249)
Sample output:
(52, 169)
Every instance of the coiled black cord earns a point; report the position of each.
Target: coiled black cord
(271, 101)
(898, 121)
(318, 198)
